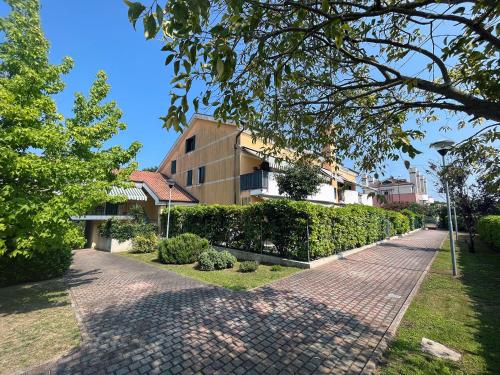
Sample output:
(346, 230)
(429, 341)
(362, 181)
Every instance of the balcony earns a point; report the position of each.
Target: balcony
(264, 184)
(255, 180)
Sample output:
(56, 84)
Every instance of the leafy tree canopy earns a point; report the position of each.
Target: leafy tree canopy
(51, 167)
(472, 195)
(308, 74)
(298, 181)
(151, 169)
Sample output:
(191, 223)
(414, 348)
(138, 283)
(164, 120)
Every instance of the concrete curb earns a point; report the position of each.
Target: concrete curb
(377, 355)
(264, 258)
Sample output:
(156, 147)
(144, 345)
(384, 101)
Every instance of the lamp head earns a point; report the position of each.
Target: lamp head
(171, 183)
(442, 146)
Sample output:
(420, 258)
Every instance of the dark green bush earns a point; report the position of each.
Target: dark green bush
(295, 230)
(248, 266)
(41, 265)
(276, 268)
(182, 249)
(488, 228)
(211, 259)
(123, 230)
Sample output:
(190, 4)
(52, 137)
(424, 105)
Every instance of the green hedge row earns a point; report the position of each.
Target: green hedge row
(296, 230)
(488, 228)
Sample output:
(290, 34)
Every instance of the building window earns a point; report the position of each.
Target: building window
(173, 167)
(190, 144)
(189, 179)
(201, 175)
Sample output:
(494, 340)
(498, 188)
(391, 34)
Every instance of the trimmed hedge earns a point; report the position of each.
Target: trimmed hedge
(182, 249)
(416, 220)
(290, 229)
(488, 228)
(41, 265)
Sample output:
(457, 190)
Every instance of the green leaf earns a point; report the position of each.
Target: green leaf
(169, 59)
(407, 164)
(149, 26)
(196, 103)
(135, 10)
(159, 14)
(325, 5)
(220, 68)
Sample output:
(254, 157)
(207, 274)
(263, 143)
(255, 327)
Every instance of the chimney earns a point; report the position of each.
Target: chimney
(364, 179)
(413, 178)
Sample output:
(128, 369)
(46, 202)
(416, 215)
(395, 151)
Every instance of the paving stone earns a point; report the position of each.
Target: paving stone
(141, 318)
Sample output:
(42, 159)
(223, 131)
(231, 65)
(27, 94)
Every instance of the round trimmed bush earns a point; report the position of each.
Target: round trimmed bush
(182, 249)
(215, 260)
(206, 261)
(248, 266)
(144, 243)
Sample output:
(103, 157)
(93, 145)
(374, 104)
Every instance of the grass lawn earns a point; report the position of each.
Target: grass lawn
(461, 313)
(37, 324)
(230, 278)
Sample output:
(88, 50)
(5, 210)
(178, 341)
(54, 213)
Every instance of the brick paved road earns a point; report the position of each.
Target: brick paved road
(140, 319)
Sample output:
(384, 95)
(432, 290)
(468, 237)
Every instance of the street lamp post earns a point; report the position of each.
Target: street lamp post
(171, 184)
(442, 147)
(455, 217)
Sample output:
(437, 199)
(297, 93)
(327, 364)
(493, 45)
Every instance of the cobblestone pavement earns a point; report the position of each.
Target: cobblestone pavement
(139, 319)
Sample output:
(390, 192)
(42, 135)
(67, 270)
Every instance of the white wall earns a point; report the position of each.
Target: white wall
(326, 192)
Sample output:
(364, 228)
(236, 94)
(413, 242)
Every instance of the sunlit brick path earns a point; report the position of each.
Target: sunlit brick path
(139, 319)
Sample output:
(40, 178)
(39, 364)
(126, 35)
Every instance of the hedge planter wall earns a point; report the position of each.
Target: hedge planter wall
(488, 228)
(290, 229)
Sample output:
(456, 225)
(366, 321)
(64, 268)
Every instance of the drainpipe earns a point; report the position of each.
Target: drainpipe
(236, 176)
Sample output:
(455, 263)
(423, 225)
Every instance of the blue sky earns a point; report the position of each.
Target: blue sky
(98, 35)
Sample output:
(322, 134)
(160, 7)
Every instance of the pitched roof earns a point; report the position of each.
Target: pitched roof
(157, 182)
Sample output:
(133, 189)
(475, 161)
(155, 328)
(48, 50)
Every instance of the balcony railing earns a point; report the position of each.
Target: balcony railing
(254, 180)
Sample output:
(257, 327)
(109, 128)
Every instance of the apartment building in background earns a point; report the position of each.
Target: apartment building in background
(398, 190)
(221, 163)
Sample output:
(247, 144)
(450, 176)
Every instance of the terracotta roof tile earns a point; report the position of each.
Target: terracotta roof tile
(157, 182)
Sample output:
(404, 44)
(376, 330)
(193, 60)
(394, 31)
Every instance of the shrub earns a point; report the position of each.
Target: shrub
(211, 259)
(123, 230)
(144, 243)
(276, 268)
(488, 228)
(229, 259)
(206, 261)
(248, 266)
(295, 230)
(41, 265)
(415, 220)
(399, 223)
(182, 249)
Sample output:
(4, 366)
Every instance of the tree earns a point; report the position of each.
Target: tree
(51, 167)
(468, 192)
(298, 181)
(309, 74)
(151, 169)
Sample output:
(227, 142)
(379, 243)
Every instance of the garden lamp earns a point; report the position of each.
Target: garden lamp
(171, 184)
(443, 147)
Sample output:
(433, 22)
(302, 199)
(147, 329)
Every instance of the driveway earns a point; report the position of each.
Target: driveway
(136, 318)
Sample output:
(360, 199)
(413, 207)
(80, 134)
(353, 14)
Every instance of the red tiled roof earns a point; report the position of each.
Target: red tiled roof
(158, 184)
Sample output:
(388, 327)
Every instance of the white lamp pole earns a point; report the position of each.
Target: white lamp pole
(455, 217)
(442, 147)
(171, 184)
